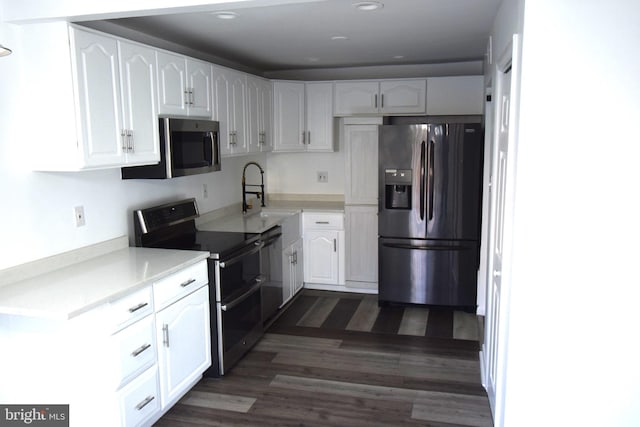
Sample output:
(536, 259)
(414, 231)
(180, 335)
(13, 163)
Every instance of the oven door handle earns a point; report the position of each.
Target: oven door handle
(272, 238)
(258, 245)
(255, 288)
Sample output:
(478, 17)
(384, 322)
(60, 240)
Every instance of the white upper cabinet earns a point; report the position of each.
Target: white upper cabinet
(259, 114)
(230, 98)
(184, 86)
(139, 96)
(380, 97)
(116, 95)
(303, 118)
(455, 95)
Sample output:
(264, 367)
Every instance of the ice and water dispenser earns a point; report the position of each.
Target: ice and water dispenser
(397, 187)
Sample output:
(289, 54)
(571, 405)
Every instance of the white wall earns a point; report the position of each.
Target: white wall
(573, 327)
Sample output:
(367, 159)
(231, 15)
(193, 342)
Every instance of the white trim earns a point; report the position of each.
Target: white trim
(339, 288)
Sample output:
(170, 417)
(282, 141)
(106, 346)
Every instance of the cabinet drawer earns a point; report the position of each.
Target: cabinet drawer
(127, 310)
(177, 285)
(323, 221)
(140, 400)
(134, 350)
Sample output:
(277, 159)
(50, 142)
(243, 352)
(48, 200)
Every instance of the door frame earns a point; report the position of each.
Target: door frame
(511, 58)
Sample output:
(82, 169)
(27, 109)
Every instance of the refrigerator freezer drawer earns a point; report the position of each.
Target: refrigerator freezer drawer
(428, 272)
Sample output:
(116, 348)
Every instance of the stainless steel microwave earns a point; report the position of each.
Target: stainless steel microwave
(187, 147)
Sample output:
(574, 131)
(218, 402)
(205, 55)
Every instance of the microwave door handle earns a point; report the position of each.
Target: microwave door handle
(214, 147)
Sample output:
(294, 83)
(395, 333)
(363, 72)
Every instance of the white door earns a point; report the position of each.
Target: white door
(97, 78)
(319, 113)
(409, 96)
(199, 87)
(221, 108)
(139, 97)
(356, 98)
(289, 116)
(237, 108)
(361, 229)
(172, 89)
(321, 257)
(361, 164)
(184, 343)
(500, 230)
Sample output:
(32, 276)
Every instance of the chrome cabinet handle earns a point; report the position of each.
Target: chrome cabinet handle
(138, 307)
(382, 101)
(123, 135)
(309, 137)
(186, 97)
(375, 101)
(130, 140)
(165, 335)
(322, 222)
(140, 350)
(187, 283)
(191, 97)
(144, 403)
(335, 245)
(304, 139)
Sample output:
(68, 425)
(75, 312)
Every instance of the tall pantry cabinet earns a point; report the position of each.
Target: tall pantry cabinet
(361, 202)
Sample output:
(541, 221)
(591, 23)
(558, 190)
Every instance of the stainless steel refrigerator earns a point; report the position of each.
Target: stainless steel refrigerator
(429, 208)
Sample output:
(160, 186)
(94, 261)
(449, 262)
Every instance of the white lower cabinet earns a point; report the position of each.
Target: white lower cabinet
(293, 272)
(323, 248)
(184, 345)
(139, 401)
(361, 228)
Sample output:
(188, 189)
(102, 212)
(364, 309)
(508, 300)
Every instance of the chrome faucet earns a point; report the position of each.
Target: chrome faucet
(260, 193)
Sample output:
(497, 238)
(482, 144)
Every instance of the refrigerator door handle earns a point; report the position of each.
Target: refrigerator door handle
(422, 176)
(426, 247)
(431, 176)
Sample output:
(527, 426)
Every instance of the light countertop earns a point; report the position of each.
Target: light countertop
(261, 220)
(73, 290)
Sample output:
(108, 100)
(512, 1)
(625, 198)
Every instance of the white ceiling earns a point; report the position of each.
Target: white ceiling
(298, 35)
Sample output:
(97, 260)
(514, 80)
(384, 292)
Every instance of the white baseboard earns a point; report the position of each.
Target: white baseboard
(339, 288)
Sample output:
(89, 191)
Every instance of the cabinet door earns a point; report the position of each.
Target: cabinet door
(266, 107)
(455, 95)
(321, 256)
(184, 344)
(139, 97)
(298, 266)
(98, 85)
(288, 273)
(289, 120)
(221, 109)
(403, 96)
(199, 87)
(172, 79)
(361, 243)
(356, 98)
(238, 109)
(319, 113)
(361, 164)
(255, 114)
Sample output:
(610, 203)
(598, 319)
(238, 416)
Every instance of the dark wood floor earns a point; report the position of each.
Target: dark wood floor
(335, 359)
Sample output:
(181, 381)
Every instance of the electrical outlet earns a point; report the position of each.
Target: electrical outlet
(78, 212)
(323, 176)
(205, 191)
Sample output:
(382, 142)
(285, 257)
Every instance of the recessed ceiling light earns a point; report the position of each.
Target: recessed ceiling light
(225, 15)
(398, 57)
(367, 6)
(313, 59)
(339, 38)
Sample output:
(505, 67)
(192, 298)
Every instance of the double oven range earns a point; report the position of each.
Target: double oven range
(236, 274)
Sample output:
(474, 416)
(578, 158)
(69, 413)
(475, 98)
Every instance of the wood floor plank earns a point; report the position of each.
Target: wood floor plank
(440, 323)
(318, 312)
(297, 309)
(341, 314)
(218, 401)
(388, 321)
(455, 409)
(465, 326)
(365, 315)
(414, 321)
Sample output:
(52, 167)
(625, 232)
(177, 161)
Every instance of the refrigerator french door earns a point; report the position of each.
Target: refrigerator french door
(429, 213)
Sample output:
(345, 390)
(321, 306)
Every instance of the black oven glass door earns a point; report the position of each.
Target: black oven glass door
(239, 272)
(241, 327)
